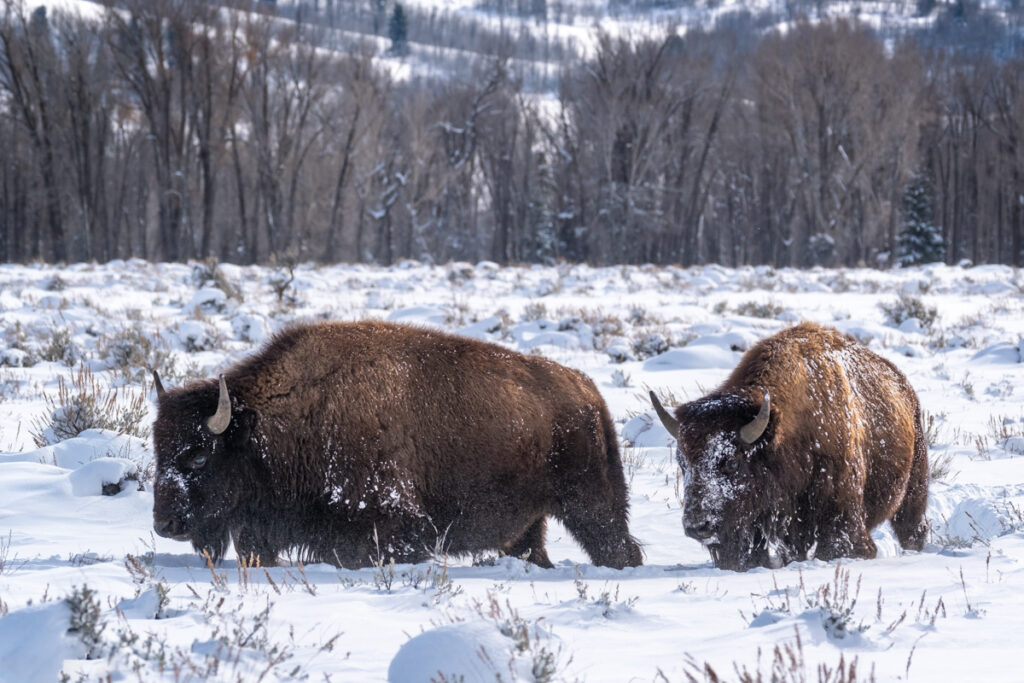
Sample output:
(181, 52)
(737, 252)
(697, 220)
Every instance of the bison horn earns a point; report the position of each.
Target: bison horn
(158, 384)
(752, 431)
(671, 424)
(222, 418)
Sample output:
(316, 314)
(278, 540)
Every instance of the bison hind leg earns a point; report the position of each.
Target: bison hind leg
(845, 534)
(909, 521)
(849, 542)
(530, 546)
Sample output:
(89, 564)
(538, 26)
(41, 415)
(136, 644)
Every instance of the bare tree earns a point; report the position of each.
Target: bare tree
(27, 70)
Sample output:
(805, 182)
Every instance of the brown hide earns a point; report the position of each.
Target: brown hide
(434, 442)
(843, 451)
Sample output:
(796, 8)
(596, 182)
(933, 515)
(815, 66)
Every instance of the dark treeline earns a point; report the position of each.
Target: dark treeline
(174, 129)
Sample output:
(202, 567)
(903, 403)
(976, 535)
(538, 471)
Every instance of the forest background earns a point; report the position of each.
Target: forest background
(368, 131)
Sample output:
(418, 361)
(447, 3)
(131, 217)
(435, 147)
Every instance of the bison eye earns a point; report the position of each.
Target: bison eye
(195, 461)
(730, 465)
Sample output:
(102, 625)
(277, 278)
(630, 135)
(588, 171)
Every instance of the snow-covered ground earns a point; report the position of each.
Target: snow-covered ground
(147, 608)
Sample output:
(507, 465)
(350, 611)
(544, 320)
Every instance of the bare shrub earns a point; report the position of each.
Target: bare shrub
(383, 570)
(788, 665)
(668, 397)
(85, 403)
(834, 602)
(1002, 428)
(621, 379)
(605, 326)
(940, 468)
(134, 353)
(56, 284)
(60, 348)
(207, 273)
(280, 280)
(8, 562)
(606, 600)
(931, 427)
(535, 310)
(647, 343)
(759, 309)
(528, 639)
(87, 624)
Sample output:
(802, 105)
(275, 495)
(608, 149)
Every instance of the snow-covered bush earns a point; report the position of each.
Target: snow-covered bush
(197, 335)
(908, 307)
(759, 309)
(647, 344)
(60, 348)
(132, 351)
(619, 349)
(620, 379)
(833, 602)
(499, 644)
(87, 623)
(535, 310)
(15, 358)
(208, 273)
(208, 300)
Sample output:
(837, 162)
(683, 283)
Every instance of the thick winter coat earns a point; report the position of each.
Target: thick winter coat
(346, 441)
(811, 442)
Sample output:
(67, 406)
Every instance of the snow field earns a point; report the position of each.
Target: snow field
(149, 608)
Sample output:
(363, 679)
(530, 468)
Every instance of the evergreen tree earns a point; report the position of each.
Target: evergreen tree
(921, 241)
(398, 31)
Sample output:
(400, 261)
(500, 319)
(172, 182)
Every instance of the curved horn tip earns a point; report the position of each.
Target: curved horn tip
(669, 422)
(753, 430)
(157, 384)
(222, 418)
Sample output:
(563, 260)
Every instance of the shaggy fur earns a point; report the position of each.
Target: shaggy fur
(340, 431)
(843, 451)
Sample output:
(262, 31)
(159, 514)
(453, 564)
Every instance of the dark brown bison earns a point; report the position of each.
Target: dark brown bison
(340, 441)
(811, 442)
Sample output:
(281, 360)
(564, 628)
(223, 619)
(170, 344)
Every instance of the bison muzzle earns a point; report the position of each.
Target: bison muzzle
(345, 441)
(811, 442)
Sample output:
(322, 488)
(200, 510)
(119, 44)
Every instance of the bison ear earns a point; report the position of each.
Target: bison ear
(753, 430)
(244, 421)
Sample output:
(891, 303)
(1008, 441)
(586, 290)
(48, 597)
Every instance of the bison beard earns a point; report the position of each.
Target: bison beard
(810, 443)
(338, 437)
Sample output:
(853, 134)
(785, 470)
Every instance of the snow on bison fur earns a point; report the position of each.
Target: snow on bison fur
(811, 442)
(337, 437)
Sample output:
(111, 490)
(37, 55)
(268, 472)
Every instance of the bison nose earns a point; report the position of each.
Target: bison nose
(698, 529)
(168, 528)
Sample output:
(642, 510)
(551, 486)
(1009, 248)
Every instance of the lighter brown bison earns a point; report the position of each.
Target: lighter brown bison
(811, 442)
(341, 438)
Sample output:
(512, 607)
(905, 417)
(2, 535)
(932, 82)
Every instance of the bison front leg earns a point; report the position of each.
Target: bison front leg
(603, 532)
(253, 549)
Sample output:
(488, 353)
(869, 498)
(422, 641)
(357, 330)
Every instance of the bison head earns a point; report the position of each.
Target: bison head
(199, 439)
(722, 451)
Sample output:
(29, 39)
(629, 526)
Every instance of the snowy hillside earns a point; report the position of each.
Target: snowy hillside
(88, 590)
